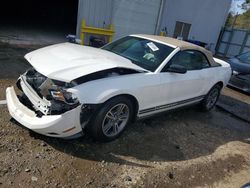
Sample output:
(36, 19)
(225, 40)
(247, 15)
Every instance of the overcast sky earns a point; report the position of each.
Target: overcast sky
(235, 8)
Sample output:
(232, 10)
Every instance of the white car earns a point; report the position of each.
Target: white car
(72, 88)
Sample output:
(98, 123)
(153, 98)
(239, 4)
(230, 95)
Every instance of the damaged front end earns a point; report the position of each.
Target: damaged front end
(54, 97)
(45, 106)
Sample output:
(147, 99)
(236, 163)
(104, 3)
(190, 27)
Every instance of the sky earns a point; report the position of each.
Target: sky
(235, 8)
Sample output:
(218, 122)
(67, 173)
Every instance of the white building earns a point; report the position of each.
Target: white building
(199, 20)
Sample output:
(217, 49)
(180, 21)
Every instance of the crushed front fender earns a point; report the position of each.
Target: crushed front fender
(63, 125)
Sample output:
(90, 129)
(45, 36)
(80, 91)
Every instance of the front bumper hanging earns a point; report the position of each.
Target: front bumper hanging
(66, 125)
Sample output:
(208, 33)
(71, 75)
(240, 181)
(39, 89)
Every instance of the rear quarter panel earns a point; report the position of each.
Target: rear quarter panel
(222, 73)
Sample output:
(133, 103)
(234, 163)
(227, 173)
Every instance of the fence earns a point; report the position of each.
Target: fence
(233, 42)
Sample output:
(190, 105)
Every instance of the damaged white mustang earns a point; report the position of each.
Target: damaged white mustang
(72, 88)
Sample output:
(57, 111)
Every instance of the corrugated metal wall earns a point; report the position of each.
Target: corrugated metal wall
(127, 16)
(95, 12)
(135, 16)
(142, 16)
(206, 18)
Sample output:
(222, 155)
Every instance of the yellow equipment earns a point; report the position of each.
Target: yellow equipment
(97, 31)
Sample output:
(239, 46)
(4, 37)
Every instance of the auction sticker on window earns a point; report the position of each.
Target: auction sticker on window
(152, 46)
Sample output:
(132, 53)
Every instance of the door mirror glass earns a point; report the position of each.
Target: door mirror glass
(177, 69)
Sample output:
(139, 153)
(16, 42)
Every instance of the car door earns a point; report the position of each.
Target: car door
(177, 87)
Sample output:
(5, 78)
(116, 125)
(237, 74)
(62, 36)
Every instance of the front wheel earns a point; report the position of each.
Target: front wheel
(211, 98)
(112, 119)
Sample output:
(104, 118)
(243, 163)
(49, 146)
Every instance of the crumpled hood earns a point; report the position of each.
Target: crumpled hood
(67, 61)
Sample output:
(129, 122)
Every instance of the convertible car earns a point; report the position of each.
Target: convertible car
(73, 88)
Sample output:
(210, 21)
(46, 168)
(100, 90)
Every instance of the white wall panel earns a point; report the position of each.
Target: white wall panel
(135, 16)
(206, 16)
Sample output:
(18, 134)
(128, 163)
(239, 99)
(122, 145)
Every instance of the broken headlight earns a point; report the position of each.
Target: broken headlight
(64, 96)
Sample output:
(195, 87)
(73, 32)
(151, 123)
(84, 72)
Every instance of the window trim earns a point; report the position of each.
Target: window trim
(169, 62)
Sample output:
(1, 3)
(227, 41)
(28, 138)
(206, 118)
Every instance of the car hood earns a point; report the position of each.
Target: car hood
(239, 66)
(67, 61)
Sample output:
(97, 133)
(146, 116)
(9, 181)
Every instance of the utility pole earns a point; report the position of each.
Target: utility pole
(235, 19)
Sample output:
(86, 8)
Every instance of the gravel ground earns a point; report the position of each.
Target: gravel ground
(12, 63)
(183, 148)
(4, 83)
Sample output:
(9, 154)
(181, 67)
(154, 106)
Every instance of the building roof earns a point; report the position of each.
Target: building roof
(183, 45)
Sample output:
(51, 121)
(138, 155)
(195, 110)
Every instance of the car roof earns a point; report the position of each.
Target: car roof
(175, 43)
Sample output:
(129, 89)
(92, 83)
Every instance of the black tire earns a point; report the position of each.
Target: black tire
(211, 98)
(97, 124)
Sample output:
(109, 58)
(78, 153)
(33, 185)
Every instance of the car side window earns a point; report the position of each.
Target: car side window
(191, 60)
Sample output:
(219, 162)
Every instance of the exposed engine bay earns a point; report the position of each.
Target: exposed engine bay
(54, 99)
(52, 95)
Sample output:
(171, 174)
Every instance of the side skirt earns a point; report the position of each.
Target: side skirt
(167, 107)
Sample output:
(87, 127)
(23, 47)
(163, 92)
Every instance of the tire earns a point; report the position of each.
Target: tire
(112, 119)
(211, 98)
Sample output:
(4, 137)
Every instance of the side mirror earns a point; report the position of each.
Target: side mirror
(177, 69)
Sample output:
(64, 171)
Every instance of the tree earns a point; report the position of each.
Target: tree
(246, 5)
(230, 19)
(241, 21)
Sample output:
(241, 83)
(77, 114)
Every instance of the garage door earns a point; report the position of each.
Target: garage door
(135, 16)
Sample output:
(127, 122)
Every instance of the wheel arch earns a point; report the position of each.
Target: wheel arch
(220, 83)
(132, 98)
(205, 101)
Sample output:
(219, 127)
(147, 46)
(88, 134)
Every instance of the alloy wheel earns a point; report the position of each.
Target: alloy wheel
(212, 98)
(115, 120)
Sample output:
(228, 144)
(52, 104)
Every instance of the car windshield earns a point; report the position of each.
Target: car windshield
(142, 52)
(245, 57)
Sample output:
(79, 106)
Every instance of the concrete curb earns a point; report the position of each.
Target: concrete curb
(235, 107)
(3, 102)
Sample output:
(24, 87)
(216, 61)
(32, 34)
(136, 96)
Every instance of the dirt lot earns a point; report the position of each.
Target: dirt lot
(184, 148)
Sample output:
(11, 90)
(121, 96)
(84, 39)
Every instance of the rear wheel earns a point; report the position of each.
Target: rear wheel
(112, 119)
(211, 98)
